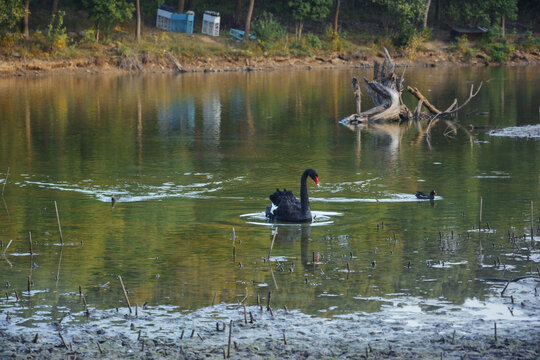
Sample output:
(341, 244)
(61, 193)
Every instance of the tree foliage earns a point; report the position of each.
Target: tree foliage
(308, 9)
(108, 13)
(11, 12)
(480, 12)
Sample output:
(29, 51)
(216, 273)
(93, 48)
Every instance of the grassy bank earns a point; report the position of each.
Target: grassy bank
(56, 50)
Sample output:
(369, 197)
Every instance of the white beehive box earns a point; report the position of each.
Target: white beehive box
(210, 23)
(163, 20)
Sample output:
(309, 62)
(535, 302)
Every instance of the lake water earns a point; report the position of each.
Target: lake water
(193, 159)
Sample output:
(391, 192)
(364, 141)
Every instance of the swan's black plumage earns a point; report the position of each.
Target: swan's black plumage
(286, 207)
(421, 195)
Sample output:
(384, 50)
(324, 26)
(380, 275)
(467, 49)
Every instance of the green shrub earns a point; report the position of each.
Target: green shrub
(498, 49)
(56, 32)
(414, 43)
(529, 42)
(313, 41)
(406, 34)
(469, 53)
(268, 31)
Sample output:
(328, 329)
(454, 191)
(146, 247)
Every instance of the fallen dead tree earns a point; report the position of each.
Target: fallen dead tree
(385, 91)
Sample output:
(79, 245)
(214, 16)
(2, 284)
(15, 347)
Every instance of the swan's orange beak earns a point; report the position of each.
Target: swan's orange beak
(316, 180)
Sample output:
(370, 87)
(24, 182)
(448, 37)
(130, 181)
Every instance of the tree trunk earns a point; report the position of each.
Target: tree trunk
(438, 12)
(54, 6)
(237, 17)
(181, 4)
(426, 14)
(503, 20)
(248, 19)
(138, 30)
(299, 29)
(336, 17)
(26, 31)
(385, 92)
(357, 95)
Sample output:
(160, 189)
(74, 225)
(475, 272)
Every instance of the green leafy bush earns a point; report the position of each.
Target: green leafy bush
(498, 49)
(313, 41)
(529, 42)
(268, 31)
(56, 32)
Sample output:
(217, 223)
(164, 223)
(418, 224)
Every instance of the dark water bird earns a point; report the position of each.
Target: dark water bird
(286, 207)
(421, 195)
(114, 199)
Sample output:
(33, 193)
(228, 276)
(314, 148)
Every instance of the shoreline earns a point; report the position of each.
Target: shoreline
(115, 65)
(488, 329)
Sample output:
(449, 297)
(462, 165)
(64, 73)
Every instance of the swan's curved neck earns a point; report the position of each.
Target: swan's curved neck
(304, 197)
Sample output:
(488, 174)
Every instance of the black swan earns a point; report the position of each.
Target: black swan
(421, 195)
(286, 207)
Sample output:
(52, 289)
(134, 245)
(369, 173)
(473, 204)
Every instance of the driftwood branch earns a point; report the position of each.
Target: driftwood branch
(357, 95)
(422, 98)
(517, 279)
(176, 63)
(385, 90)
(453, 108)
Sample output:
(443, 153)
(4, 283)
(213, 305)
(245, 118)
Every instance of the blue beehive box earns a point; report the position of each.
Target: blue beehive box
(170, 21)
(182, 22)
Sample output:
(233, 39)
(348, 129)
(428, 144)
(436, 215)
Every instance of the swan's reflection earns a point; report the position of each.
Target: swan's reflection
(288, 235)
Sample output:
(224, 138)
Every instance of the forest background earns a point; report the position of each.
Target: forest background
(121, 34)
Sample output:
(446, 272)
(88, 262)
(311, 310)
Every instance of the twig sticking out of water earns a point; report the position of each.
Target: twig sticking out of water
(517, 279)
(63, 341)
(495, 328)
(245, 315)
(268, 302)
(4, 252)
(284, 338)
(29, 283)
(454, 338)
(30, 242)
(214, 299)
(272, 244)
(234, 244)
(245, 297)
(480, 217)
(58, 220)
(99, 347)
(5, 182)
(230, 338)
(125, 293)
(532, 223)
(35, 339)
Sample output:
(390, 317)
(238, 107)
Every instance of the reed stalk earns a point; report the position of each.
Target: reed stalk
(230, 338)
(30, 242)
(272, 244)
(5, 182)
(7, 247)
(125, 293)
(58, 220)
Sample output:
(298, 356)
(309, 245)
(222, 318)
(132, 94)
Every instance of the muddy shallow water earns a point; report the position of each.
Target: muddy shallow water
(191, 161)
